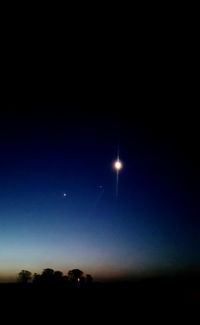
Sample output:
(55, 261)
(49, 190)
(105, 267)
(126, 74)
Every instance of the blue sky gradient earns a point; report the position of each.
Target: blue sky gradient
(150, 227)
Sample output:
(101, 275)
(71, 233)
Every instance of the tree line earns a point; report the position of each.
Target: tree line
(51, 277)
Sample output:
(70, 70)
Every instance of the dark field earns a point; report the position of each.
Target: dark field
(158, 298)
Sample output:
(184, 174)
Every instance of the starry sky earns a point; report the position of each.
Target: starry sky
(58, 204)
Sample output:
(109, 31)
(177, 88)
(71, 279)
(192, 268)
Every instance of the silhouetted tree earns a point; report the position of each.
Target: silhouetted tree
(58, 277)
(75, 275)
(24, 276)
(47, 276)
(51, 277)
(89, 279)
(36, 278)
(48, 272)
(65, 279)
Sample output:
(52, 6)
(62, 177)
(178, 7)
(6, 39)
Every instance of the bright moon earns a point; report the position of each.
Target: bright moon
(118, 165)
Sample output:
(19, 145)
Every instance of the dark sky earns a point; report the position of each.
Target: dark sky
(73, 93)
(47, 150)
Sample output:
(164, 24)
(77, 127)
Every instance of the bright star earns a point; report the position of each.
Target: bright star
(118, 165)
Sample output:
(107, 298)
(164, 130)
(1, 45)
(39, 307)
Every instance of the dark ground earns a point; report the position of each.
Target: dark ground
(152, 299)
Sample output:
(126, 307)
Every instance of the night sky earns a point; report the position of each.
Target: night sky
(58, 204)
